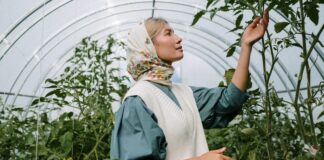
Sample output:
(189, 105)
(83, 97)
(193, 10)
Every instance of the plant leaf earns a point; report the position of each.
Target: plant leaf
(56, 92)
(212, 13)
(221, 84)
(239, 20)
(271, 5)
(66, 142)
(297, 45)
(320, 115)
(51, 81)
(230, 51)
(312, 11)
(236, 28)
(209, 2)
(198, 16)
(280, 26)
(249, 132)
(228, 75)
(38, 100)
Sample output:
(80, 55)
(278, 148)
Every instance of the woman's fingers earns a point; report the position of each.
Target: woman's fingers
(215, 155)
(255, 22)
(222, 157)
(256, 29)
(219, 151)
(226, 158)
(263, 21)
(266, 15)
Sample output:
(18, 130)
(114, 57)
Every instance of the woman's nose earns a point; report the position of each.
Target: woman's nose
(179, 39)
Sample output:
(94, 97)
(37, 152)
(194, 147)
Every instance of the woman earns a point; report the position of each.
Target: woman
(162, 120)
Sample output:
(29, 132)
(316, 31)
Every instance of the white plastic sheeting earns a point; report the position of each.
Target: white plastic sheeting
(37, 37)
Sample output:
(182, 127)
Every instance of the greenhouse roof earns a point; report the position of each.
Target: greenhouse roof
(37, 37)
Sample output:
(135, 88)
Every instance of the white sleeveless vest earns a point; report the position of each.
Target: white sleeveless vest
(182, 127)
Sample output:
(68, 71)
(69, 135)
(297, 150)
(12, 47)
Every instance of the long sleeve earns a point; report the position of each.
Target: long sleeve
(136, 134)
(218, 106)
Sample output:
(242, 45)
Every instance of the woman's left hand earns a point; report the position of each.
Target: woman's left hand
(256, 29)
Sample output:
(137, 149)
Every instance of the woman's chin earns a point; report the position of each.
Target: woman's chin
(178, 58)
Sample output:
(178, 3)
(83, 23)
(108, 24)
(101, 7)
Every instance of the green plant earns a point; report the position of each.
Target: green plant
(89, 85)
(269, 115)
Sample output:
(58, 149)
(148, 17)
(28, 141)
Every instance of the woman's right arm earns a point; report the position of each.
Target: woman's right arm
(136, 134)
(252, 34)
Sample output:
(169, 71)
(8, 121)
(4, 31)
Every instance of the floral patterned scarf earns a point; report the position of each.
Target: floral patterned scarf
(143, 62)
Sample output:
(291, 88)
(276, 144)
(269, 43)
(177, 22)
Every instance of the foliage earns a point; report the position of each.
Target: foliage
(271, 127)
(247, 138)
(89, 85)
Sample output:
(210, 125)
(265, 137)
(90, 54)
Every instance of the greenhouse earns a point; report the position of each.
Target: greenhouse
(66, 71)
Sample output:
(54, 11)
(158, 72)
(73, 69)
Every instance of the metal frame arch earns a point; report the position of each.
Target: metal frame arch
(63, 55)
(319, 71)
(28, 28)
(278, 74)
(192, 54)
(77, 20)
(161, 9)
(71, 48)
(77, 30)
(21, 20)
(56, 34)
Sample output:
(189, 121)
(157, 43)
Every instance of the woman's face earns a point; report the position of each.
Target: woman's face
(168, 45)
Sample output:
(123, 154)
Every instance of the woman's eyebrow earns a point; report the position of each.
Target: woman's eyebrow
(168, 30)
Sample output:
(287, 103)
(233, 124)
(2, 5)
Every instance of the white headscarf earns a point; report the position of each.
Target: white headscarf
(143, 62)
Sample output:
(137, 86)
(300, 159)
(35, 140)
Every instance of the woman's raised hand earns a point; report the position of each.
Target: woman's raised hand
(256, 29)
(213, 155)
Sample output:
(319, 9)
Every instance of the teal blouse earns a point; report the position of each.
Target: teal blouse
(136, 134)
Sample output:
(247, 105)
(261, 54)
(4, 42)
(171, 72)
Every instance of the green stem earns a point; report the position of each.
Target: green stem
(75, 97)
(95, 146)
(309, 104)
(309, 87)
(267, 79)
(96, 154)
(250, 6)
(301, 71)
(267, 103)
(273, 58)
(315, 40)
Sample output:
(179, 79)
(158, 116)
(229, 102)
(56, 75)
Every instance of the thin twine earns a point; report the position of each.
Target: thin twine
(40, 72)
